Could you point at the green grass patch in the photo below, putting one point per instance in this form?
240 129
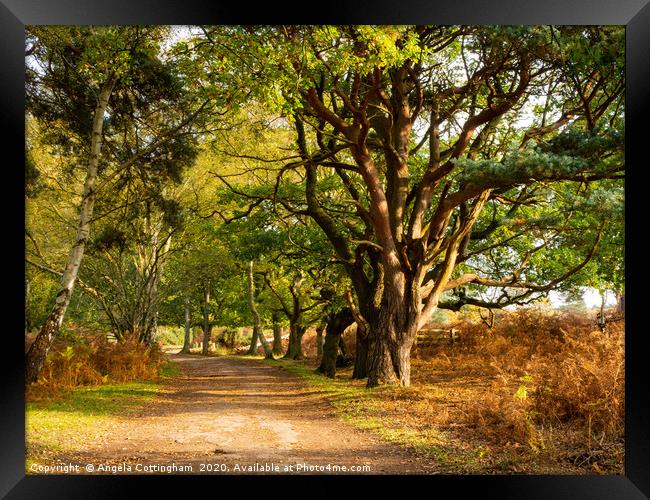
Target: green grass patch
100 400
87 412
170 370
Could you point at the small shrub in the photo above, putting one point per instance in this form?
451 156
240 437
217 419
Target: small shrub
128 360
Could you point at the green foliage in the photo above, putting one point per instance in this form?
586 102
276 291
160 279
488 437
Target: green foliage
522 390
42 291
572 154
170 335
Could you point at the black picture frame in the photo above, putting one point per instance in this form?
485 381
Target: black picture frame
15 14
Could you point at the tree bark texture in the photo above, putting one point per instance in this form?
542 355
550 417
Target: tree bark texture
336 325
361 358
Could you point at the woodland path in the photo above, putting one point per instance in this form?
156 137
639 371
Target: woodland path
227 411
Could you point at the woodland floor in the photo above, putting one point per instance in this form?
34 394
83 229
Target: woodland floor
232 413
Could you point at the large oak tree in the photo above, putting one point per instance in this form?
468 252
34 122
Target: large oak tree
432 157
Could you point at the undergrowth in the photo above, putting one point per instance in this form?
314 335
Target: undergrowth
555 384
90 360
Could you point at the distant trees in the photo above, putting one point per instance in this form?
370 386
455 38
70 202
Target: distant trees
258 331
295 308
203 281
125 263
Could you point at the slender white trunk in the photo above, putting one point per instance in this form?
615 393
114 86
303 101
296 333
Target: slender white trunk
35 357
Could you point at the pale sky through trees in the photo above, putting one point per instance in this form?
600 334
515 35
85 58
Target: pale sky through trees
590 296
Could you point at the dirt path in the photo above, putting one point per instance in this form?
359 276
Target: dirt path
228 416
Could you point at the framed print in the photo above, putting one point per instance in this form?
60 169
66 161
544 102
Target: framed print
385 243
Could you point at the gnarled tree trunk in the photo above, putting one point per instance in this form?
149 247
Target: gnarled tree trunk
361 357
300 332
268 350
252 349
389 342
35 357
296 332
336 325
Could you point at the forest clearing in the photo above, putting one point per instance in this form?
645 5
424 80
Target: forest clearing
325 249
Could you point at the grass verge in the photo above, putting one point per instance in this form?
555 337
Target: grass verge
63 425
